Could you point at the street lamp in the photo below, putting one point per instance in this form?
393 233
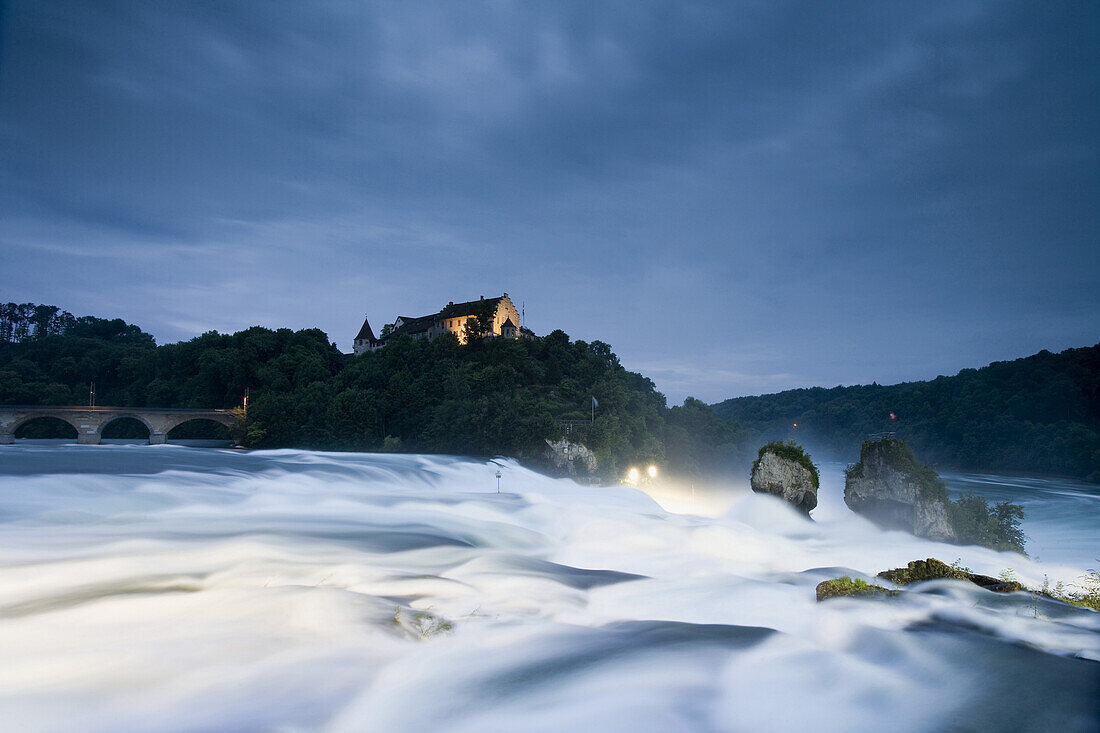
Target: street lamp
652 471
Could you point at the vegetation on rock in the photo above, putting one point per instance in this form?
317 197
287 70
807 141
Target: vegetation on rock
932 569
1085 593
1086 596
920 570
846 586
792 452
899 456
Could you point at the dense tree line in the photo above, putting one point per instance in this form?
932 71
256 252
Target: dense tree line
1039 414
491 397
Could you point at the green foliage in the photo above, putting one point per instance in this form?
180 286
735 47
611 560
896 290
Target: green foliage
976 523
212 370
28 322
845 586
1039 414
1085 592
792 452
480 323
921 570
490 397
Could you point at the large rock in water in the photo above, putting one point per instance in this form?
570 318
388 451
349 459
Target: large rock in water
892 489
785 478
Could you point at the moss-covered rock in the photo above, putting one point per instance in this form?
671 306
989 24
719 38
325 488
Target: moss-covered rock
919 570
845 586
899 456
786 471
895 491
933 569
792 452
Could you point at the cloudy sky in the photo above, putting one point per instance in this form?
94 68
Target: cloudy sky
738 197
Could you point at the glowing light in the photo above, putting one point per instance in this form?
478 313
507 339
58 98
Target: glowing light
795 425
652 471
632 476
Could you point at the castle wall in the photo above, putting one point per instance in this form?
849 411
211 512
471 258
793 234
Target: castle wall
505 309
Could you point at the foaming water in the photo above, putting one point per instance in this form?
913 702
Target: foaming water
166 588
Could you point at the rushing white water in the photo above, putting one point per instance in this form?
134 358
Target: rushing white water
175 589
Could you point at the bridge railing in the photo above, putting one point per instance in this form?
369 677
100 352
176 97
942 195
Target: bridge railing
104 408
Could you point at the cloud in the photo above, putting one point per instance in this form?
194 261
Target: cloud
880 187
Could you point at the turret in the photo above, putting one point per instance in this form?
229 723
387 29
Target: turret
364 340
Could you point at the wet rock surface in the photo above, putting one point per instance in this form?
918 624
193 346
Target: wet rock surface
893 490
787 479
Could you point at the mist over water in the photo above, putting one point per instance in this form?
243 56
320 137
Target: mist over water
165 588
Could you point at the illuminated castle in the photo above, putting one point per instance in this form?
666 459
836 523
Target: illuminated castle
484 318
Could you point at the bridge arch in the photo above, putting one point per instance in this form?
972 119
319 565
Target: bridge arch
47 416
90 421
191 428
226 420
59 415
132 415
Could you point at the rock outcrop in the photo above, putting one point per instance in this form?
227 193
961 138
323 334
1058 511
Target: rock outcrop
571 459
915 572
846 587
933 569
893 490
785 477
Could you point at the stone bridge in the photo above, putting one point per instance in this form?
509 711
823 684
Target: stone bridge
90 421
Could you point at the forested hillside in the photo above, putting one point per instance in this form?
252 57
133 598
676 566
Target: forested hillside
1039 414
492 397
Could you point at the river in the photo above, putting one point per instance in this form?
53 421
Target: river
166 588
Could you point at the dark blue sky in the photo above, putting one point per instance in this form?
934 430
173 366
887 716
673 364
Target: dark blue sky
738 197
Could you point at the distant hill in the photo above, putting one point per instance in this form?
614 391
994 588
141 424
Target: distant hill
1039 414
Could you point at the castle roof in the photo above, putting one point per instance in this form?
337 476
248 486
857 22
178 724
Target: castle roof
365 333
508 324
414 325
457 310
